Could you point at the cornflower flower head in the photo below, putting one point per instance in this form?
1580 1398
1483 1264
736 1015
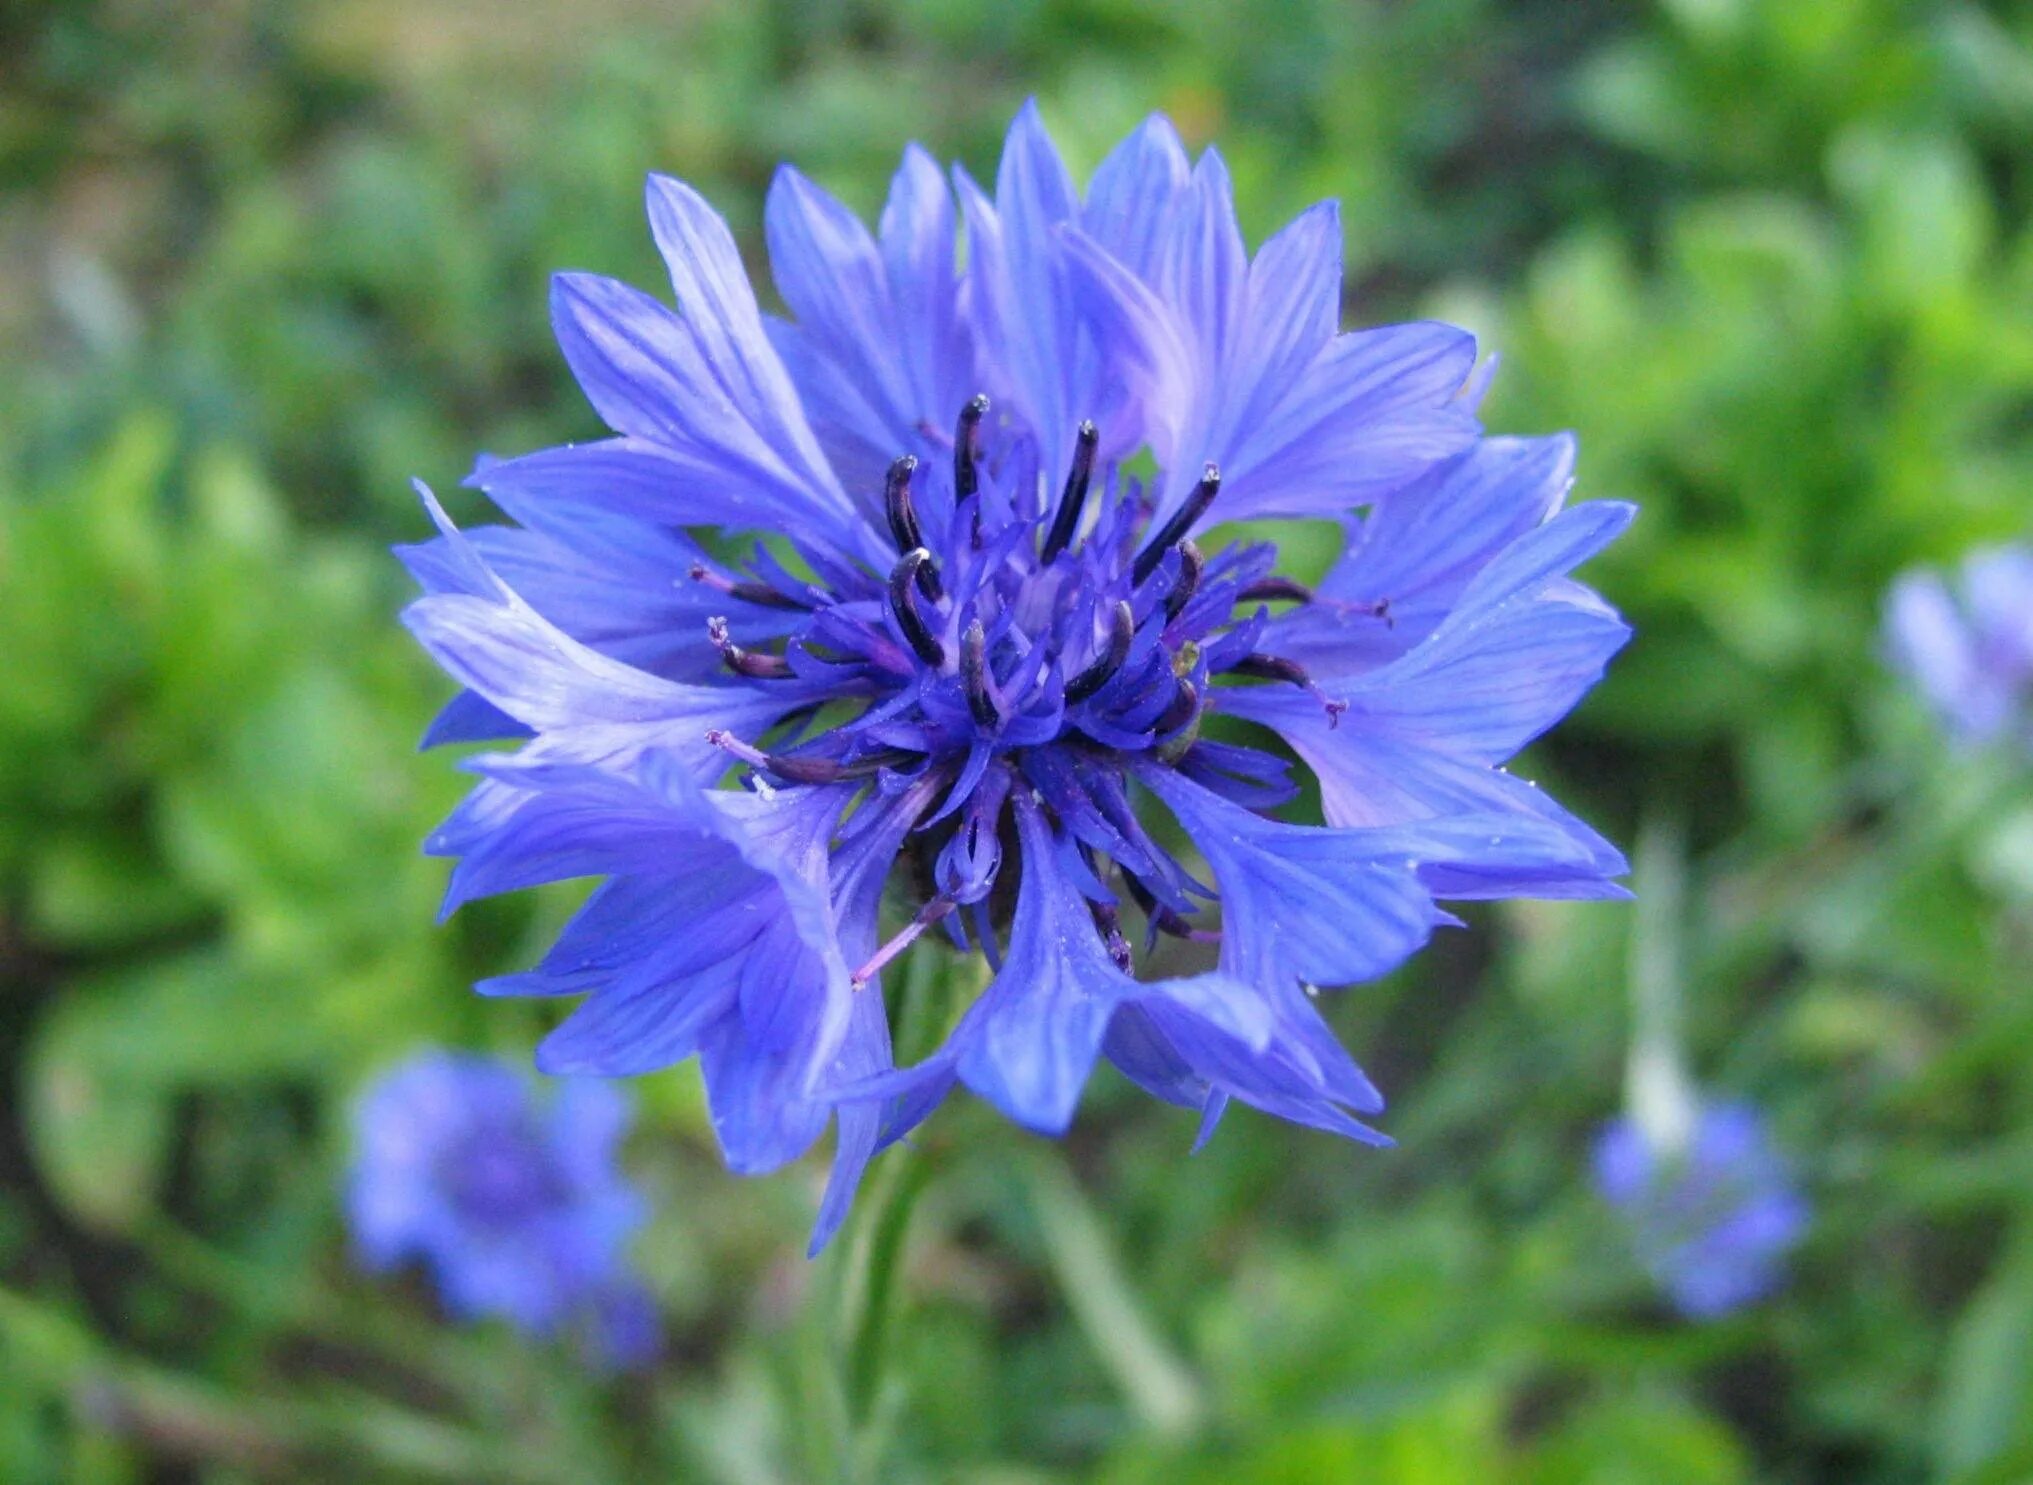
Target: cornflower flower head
983 649
516 1207
1967 646
1712 1215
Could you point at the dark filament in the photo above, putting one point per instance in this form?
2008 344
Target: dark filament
974 676
1191 564
896 503
808 770
964 450
1272 668
1110 925
1273 590
1175 530
751 663
903 600
1121 630
759 593
1074 498
1182 709
1162 918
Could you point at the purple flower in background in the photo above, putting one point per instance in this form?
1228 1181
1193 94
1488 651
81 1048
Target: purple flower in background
515 1206
1711 1222
983 654
1969 650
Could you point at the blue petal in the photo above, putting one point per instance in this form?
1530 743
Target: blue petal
832 276
470 718
1374 410
1208 265
712 289
1515 655
645 373
1411 558
1301 903
1293 309
1134 196
493 642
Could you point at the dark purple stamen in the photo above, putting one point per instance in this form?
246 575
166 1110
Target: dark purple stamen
903 601
1162 918
1184 706
965 449
751 663
1275 590
759 593
1073 499
1275 668
1175 530
903 520
896 503
1272 668
1109 922
1191 565
807 770
974 676
933 910
1121 630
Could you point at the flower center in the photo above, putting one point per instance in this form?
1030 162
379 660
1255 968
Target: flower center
1012 623
501 1178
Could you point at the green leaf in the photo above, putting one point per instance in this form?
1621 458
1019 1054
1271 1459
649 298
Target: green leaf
1985 1404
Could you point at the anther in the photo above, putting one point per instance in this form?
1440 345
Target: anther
1184 706
1275 590
1175 530
751 663
1162 918
1109 923
1275 668
1121 630
760 593
930 913
1191 565
903 520
974 676
903 600
966 446
806 770
1073 499
896 503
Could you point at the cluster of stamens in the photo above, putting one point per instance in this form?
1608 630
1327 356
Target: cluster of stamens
1010 641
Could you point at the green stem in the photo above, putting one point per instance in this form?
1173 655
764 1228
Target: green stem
874 1313
1158 1386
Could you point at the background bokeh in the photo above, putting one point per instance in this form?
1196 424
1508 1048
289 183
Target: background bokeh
265 262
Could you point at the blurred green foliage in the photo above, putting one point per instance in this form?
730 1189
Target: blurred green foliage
1771 260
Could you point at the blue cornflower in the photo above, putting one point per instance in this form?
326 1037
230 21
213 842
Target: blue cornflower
517 1209
1712 1215
1969 652
978 653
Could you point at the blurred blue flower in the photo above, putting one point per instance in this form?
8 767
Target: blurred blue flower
517 1208
1968 649
1711 1221
980 652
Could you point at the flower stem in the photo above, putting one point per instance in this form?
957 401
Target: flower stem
1160 1389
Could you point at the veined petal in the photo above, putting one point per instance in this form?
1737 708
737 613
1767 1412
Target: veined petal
720 312
1411 557
1512 658
644 371
1292 310
1374 410
1301 903
1135 196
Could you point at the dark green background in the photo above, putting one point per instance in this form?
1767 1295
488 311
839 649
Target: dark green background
264 263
